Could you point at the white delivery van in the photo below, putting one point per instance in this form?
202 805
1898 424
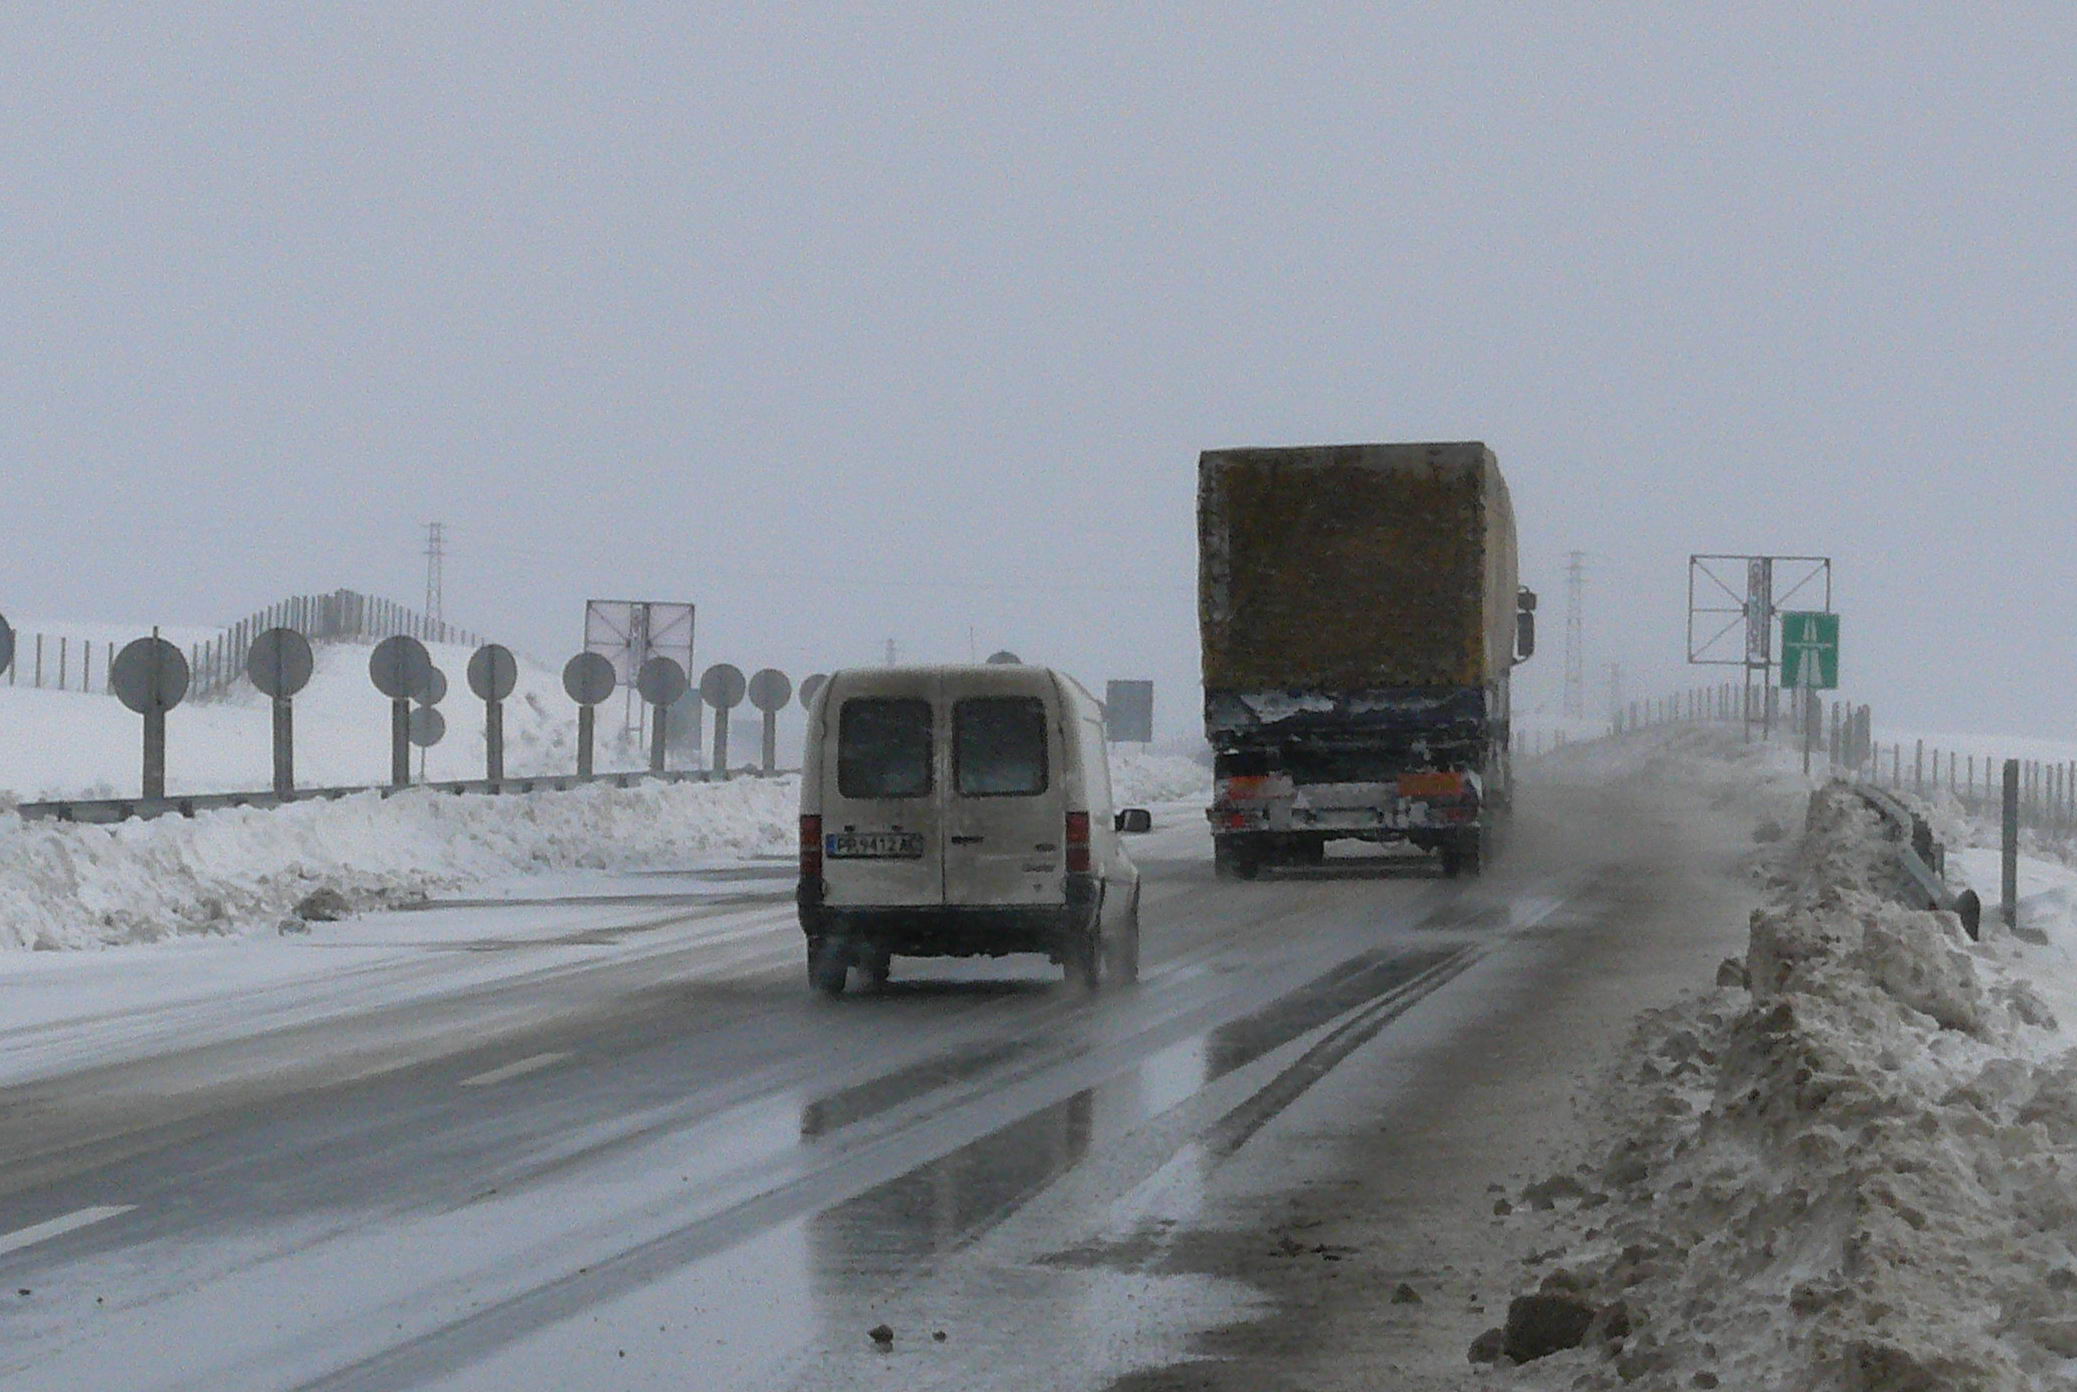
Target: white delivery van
960 812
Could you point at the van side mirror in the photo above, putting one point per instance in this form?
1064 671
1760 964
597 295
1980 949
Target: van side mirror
1134 820
1524 624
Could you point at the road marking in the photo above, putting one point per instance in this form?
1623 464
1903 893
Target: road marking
43 1232
514 1070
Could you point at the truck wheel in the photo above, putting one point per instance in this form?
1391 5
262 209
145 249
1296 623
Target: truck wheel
1310 851
1464 855
1233 858
829 965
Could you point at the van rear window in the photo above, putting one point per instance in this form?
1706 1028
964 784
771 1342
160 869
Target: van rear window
999 746
883 748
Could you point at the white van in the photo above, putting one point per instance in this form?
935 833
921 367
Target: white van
961 812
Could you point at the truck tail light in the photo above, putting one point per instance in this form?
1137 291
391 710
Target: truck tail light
1078 843
811 847
1243 787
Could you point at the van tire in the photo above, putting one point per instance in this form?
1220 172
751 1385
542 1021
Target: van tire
829 966
1122 947
1083 957
878 965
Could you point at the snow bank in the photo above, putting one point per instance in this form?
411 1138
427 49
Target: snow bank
1141 780
244 869
1852 1165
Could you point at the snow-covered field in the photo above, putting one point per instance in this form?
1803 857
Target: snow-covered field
1850 1162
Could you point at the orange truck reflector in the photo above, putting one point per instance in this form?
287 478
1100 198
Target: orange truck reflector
1432 785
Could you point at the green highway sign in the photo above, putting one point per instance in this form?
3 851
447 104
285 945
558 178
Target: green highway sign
1809 650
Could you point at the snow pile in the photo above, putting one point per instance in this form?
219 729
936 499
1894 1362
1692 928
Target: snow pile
1141 780
1853 1165
245 869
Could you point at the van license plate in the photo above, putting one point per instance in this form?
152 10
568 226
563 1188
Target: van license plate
874 845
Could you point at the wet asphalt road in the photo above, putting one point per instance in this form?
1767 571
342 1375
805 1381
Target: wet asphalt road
687 1135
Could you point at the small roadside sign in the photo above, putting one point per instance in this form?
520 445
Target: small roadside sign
1809 650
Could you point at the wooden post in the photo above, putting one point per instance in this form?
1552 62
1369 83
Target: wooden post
584 732
720 744
2010 845
659 727
771 742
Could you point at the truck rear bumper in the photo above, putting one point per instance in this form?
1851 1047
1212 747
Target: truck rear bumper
1343 815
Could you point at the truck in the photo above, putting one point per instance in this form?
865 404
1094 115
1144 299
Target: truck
1360 613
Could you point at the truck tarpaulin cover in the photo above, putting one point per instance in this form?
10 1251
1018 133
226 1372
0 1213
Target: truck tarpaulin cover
1348 568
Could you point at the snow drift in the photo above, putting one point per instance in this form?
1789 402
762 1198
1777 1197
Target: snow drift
1852 1165
241 869
244 869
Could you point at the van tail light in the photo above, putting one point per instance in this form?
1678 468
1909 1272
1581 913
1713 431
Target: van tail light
1078 843
811 847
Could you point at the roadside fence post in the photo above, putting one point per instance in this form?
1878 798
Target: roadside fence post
2010 845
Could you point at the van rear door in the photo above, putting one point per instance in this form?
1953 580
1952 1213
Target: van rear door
882 843
1003 818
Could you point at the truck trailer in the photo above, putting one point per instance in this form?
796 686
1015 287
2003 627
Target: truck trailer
1360 614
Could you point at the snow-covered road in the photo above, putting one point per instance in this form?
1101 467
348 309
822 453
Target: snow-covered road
500 1143
591 1129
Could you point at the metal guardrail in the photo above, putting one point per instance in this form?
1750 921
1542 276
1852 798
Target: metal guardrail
109 810
1923 859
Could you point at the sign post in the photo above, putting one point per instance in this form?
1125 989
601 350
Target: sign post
150 676
493 672
280 663
722 687
400 667
661 682
589 678
769 692
1809 663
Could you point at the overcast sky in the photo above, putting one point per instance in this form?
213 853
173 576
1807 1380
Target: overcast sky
854 323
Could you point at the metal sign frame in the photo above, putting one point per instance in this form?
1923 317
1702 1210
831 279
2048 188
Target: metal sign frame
1754 611
628 632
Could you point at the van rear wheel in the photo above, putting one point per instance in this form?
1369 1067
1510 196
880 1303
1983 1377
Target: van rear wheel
1121 948
877 964
829 966
1083 959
